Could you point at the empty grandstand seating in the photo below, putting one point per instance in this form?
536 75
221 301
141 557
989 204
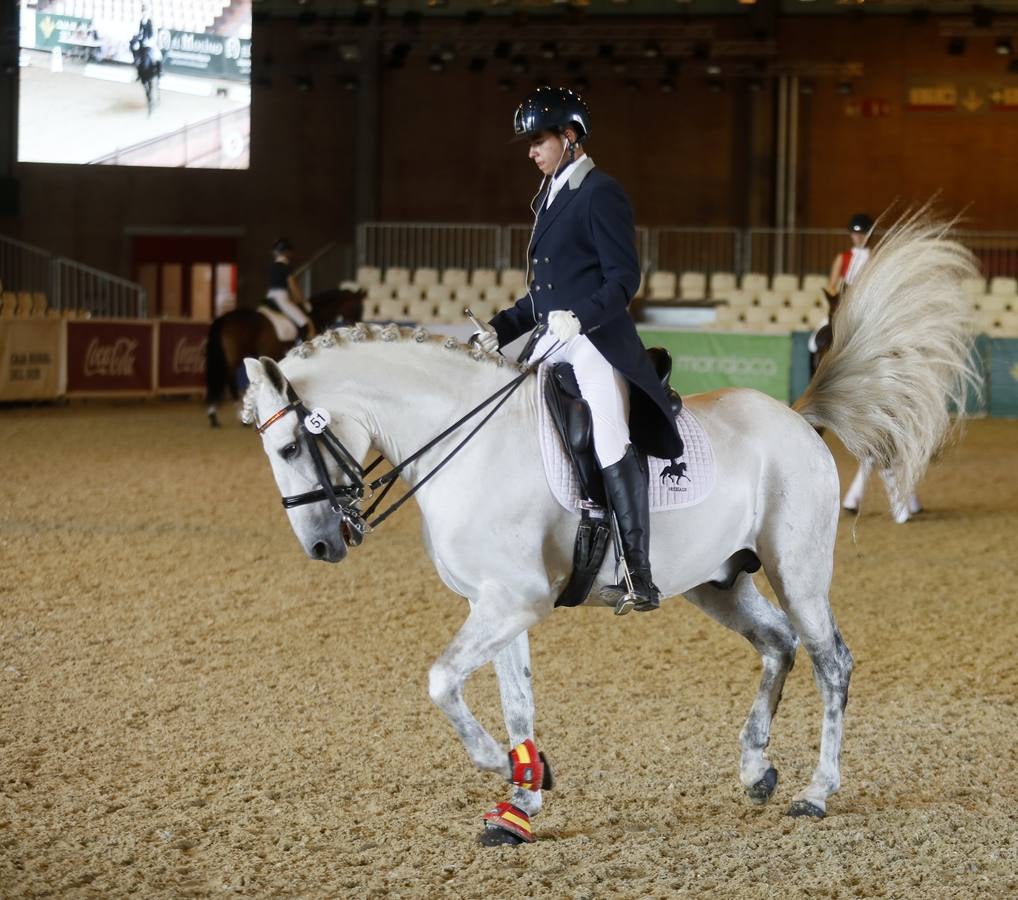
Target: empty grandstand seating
424 278
396 276
721 285
117 16
514 279
753 283
814 284
1003 287
661 286
785 284
692 286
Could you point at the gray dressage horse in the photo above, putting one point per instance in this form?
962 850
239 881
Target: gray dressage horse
901 355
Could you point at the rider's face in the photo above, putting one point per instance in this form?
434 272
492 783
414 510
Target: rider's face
547 150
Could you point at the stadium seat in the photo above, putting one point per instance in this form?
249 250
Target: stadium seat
515 280
756 317
693 286
8 304
39 304
1003 287
726 317
1009 324
791 318
391 309
769 299
449 311
993 304
974 287
814 284
454 278
785 284
368 275
425 277
805 300
468 295
396 276
753 283
721 285
437 293
499 297
661 286
483 278
25 302
739 300
409 293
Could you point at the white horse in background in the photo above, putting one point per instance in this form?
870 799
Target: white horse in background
498 537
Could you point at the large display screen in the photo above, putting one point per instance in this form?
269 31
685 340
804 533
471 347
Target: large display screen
135 82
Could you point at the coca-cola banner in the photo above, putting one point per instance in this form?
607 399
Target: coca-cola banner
181 363
30 359
110 357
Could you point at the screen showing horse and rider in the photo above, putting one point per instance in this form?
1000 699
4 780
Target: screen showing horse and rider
135 82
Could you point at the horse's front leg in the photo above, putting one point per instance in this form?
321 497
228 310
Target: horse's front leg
495 631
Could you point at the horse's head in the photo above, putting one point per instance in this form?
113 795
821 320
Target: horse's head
317 482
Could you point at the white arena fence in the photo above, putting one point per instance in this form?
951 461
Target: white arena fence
65 286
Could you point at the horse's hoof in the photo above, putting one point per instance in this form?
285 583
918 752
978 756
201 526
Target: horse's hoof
214 420
803 808
761 792
493 836
548 779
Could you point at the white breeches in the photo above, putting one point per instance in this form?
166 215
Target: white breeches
901 507
281 297
604 389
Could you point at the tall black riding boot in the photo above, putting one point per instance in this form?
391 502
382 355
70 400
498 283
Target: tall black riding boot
626 485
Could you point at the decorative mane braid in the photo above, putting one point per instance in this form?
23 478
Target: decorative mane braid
361 332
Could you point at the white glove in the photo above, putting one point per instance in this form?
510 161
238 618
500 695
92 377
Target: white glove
486 340
563 325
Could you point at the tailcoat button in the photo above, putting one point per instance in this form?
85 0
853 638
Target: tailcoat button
546 259
537 287
548 286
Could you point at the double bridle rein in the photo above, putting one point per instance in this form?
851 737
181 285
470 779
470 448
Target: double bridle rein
344 499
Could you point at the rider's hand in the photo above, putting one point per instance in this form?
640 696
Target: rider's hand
486 340
563 325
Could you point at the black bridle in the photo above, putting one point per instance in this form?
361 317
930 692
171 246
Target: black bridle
344 499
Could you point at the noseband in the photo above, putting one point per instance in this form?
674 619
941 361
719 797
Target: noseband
343 498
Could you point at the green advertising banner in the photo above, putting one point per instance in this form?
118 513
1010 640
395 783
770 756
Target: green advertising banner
51 31
1004 377
707 360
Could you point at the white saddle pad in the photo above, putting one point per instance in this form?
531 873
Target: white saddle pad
286 331
686 484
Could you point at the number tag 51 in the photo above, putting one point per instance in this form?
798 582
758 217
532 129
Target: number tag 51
317 420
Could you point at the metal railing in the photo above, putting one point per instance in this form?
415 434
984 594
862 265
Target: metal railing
220 142
770 251
68 285
706 250
419 245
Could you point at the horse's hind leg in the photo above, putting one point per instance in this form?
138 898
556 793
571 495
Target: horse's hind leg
802 590
743 609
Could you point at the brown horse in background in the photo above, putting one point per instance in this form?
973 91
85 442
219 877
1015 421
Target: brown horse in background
246 332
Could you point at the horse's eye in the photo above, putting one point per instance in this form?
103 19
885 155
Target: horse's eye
290 451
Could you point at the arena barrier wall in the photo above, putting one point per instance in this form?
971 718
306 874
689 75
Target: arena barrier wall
1003 380
43 359
32 355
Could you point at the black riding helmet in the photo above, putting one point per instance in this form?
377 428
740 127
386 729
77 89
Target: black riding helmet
282 246
552 109
860 223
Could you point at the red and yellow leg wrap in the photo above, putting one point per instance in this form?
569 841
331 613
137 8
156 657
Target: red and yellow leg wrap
526 766
512 819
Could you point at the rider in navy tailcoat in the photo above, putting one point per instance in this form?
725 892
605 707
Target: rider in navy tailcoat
583 271
583 259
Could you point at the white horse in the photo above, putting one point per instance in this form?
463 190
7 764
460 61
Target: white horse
498 538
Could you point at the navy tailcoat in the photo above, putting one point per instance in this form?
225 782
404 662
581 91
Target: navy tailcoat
583 258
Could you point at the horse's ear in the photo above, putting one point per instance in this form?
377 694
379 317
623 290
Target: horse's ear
254 369
277 379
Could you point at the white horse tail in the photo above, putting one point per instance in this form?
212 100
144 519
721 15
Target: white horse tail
901 353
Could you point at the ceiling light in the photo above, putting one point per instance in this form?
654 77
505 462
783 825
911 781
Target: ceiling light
1002 46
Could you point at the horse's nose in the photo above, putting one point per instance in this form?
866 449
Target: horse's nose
319 550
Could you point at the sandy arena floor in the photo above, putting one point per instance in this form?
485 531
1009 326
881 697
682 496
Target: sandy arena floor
191 708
